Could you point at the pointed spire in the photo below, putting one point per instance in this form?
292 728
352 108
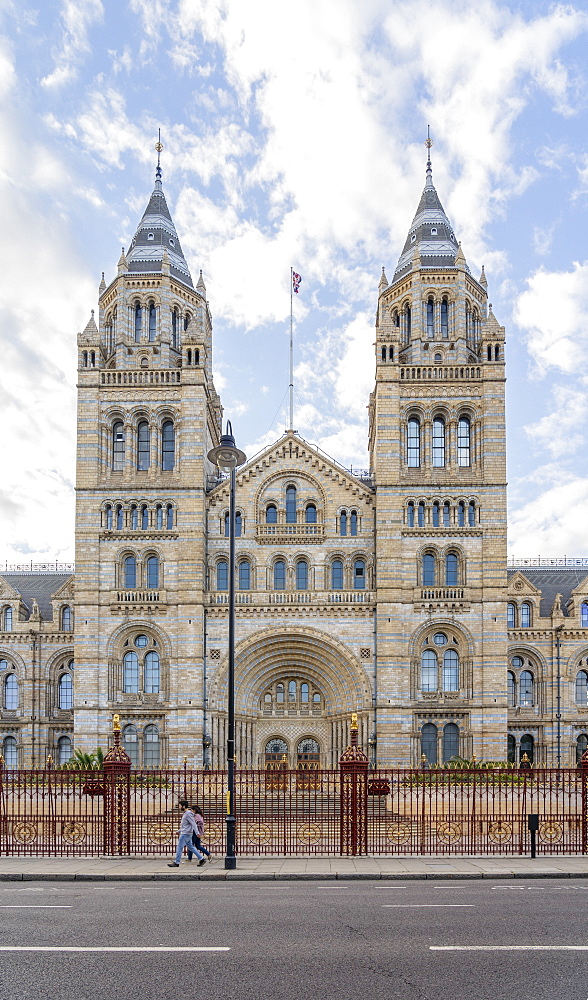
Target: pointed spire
429 172
383 281
201 287
460 260
122 262
102 285
482 280
90 328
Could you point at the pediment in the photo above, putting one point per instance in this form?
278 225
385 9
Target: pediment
7 592
582 589
520 586
66 592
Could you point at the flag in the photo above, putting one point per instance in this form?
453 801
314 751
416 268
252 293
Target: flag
296 279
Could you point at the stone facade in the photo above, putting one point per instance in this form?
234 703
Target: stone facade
384 594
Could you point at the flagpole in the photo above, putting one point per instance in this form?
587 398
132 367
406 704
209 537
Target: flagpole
291 353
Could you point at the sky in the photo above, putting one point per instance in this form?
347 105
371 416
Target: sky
294 136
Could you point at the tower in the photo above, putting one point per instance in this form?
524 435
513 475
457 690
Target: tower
437 448
148 413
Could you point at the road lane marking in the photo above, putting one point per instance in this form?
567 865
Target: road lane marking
36 906
509 947
23 947
413 906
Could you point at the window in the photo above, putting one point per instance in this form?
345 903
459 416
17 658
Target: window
428 670
271 514
446 515
131 744
108 517
301 575
130 672
291 505
461 514
511 615
167 446
118 446
581 746
66 619
143 446
526 689
151 745
343 523
151 672
222 575
244 575
169 517
64 750
337 574
144 517
450 679
444 319
430 319
279 575
435 515
353 523
471 514
421 515
238 524
584 614
428 570
310 514
410 514
525 615
130 572
152 322
450 741
359 574
451 570
280 694
463 442
120 518
511 687
429 742
10 752
582 688
292 691
65 692
527 747
304 694
134 517
153 572
7 622
174 328
438 442
413 453
511 750
10 691
138 322
159 517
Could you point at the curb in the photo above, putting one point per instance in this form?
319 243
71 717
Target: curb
232 876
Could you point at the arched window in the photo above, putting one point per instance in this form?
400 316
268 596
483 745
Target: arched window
167 446
343 523
310 513
143 446
461 514
279 575
497 353
511 750
152 321
108 517
430 319
463 441
174 328
304 694
525 615
438 442
292 691
471 514
271 514
222 575
238 524
421 514
280 695
429 742
428 670
353 523
66 619
134 517
10 692
131 744
276 746
118 446
413 443
130 572
244 575
450 741
144 517
407 322
581 746
383 354
526 689
301 575
291 505
451 570
120 517
65 692
527 746
359 574
584 614
169 517
7 620
511 686
138 322
151 747
435 515
153 572
130 672
410 514
582 688
151 672
444 319
446 515
10 752
337 574
428 567
64 750
450 679
511 615
158 517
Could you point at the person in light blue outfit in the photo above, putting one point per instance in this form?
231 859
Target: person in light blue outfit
187 828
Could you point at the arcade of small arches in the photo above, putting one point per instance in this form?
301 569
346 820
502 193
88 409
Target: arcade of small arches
138 516
142 442
441 513
441 441
144 323
296 572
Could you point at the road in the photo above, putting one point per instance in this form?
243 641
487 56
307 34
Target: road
359 940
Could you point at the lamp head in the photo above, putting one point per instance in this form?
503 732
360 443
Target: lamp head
227 456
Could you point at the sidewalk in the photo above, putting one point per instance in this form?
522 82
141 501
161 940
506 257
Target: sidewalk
292 868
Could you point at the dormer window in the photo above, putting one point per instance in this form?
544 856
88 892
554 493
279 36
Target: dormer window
172 243
433 232
150 236
412 239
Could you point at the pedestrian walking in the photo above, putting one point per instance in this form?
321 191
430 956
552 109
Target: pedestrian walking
196 837
187 828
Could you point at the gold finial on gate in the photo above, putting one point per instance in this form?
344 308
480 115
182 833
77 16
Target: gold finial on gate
1 760
185 761
49 762
423 759
116 723
354 720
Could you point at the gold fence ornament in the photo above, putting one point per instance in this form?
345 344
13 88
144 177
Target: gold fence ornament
354 720
116 723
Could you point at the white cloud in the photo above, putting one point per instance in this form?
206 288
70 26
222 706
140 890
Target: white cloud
563 431
77 17
549 525
553 312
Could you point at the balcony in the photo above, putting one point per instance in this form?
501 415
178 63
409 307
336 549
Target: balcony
142 376
282 534
294 598
138 596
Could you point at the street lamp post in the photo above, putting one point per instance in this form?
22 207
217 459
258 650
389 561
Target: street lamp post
228 458
558 632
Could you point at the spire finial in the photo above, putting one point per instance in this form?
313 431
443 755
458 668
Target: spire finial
159 148
428 144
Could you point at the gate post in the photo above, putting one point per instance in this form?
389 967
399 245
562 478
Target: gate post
353 771
117 796
584 774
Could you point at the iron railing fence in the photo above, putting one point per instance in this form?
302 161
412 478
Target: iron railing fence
394 811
